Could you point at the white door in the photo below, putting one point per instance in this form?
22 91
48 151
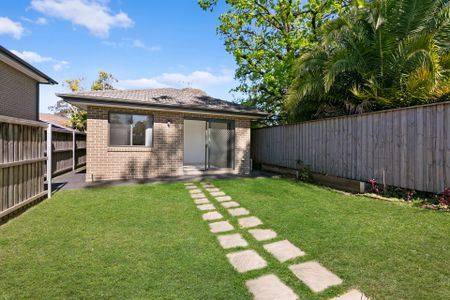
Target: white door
194 143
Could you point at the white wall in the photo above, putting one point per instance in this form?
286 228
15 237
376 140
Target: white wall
194 142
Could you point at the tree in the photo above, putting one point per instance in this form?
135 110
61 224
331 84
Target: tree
265 38
385 54
104 81
77 117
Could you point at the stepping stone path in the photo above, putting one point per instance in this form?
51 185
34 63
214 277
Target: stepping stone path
195 191
315 276
230 204
240 211
201 201
249 222
283 250
223 198
210 216
263 234
222 226
247 260
206 207
217 194
232 241
352 295
270 287
198 196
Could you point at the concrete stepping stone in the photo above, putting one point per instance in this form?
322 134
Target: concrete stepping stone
230 204
222 226
263 234
195 191
207 184
240 211
201 201
270 287
283 250
213 215
198 196
218 194
315 276
212 190
191 187
188 183
223 198
247 260
352 295
206 207
249 222
232 241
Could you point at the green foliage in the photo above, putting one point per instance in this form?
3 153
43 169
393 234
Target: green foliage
384 54
266 37
78 120
104 81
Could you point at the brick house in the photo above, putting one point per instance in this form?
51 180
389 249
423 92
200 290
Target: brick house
19 86
138 134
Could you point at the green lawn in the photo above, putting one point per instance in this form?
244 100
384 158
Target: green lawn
148 241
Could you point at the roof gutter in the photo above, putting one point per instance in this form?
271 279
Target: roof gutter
102 102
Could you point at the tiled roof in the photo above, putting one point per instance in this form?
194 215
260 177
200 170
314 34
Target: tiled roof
187 98
54 119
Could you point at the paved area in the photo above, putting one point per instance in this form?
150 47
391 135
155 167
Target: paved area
263 234
210 216
284 250
269 286
206 207
222 226
247 260
232 241
315 276
352 295
240 211
249 222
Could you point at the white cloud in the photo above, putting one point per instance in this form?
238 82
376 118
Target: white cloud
60 65
95 15
38 21
131 43
8 26
31 57
41 21
35 58
198 79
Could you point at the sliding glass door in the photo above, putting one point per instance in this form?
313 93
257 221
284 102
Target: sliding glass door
220 142
208 144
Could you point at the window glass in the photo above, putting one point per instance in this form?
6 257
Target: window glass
130 130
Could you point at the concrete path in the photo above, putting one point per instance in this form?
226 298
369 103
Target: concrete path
267 287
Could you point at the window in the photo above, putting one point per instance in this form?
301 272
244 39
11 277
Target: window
130 130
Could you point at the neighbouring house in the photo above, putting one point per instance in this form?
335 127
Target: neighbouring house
55 120
136 134
19 86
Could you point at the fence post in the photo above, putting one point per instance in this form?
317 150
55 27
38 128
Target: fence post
49 160
74 162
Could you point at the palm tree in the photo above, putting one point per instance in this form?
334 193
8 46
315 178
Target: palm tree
385 54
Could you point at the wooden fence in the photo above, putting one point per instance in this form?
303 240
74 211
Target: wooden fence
22 159
408 148
68 150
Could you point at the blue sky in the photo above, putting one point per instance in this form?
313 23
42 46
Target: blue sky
144 44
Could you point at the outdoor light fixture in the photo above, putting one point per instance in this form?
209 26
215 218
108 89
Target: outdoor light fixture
168 122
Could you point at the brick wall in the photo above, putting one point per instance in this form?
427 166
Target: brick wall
17 94
165 158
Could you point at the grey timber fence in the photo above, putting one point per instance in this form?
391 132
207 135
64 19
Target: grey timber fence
407 148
